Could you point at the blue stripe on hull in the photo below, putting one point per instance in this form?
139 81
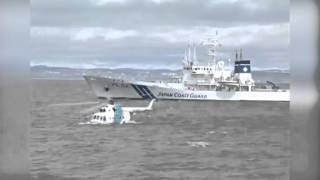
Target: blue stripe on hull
146 89
143 91
140 92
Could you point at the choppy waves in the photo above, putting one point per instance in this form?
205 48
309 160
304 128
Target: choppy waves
177 140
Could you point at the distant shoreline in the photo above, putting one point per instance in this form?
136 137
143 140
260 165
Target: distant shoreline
273 69
57 79
62 73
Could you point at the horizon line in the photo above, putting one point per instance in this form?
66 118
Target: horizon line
134 68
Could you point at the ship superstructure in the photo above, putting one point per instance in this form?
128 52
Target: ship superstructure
215 75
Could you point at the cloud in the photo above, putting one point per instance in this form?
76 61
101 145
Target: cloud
81 34
123 2
103 2
265 44
155 32
268 35
232 37
108 34
48 31
135 14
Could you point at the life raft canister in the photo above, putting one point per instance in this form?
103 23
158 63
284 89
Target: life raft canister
118 114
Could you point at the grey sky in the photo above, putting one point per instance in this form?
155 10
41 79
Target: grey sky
154 33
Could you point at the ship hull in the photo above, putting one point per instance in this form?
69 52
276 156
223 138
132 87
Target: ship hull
113 89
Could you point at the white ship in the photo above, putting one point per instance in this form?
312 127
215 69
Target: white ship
210 81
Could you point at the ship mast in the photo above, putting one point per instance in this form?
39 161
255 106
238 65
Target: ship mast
237 57
186 56
212 44
189 52
195 53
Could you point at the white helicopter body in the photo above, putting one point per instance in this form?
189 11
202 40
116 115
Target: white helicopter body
115 114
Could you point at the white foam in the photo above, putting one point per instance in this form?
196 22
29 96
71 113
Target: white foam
105 123
198 144
94 123
224 132
73 104
132 122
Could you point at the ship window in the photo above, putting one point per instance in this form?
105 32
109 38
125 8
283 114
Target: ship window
104 118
